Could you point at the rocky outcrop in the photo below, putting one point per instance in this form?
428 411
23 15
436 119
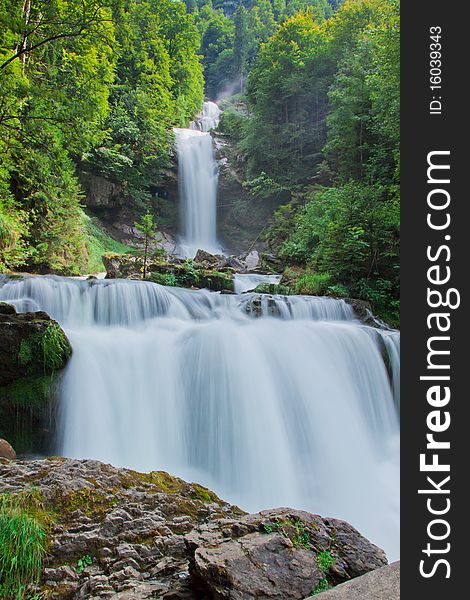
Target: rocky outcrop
281 554
100 192
363 312
380 584
117 533
128 528
242 217
206 274
33 350
30 344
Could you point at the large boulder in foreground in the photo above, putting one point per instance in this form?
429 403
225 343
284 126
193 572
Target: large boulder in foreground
117 533
279 554
381 584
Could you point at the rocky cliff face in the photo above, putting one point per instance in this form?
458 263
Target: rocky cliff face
116 533
241 217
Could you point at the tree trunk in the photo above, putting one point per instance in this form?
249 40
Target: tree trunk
25 13
145 256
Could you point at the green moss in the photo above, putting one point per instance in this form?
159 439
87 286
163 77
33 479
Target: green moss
273 288
321 587
160 480
26 352
216 281
89 502
55 348
163 278
205 495
47 350
187 275
25 407
29 392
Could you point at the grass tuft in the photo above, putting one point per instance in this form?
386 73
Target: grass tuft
23 543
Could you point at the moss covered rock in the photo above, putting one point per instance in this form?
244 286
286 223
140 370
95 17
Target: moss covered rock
33 350
31 344
177 272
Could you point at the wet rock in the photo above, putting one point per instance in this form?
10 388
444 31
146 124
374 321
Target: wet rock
33 350
252 260
6 450
363 312
25 339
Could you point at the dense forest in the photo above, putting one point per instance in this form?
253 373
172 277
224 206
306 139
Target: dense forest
310 95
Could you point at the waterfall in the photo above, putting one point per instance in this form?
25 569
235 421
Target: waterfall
209 117
248 281
198 176
268 400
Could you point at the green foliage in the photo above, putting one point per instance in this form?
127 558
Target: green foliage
272 288
324 126
293 529
48 348
13 230
169 279
147 225
321 587
91 83
98 243
325 560
233 31
312 283
83 562
23 543
339 290
148 228
351 233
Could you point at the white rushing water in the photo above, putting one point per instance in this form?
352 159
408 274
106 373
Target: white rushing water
270 401
197 183
209 117
244 282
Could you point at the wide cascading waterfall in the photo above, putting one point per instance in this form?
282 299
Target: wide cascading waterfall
198 176
268 400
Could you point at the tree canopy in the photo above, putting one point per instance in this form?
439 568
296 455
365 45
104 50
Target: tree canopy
91 83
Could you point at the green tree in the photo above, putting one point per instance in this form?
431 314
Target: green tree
148 228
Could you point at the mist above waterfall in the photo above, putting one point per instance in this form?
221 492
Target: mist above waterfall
267 400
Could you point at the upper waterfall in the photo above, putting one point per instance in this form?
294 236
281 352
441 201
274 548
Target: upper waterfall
208 119
197 182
